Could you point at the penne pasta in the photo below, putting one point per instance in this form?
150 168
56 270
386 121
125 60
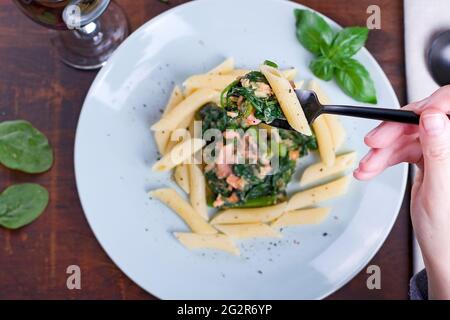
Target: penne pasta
287 98
208 81
181 177
299 84
186 108
177 136
301 217
324 141
198 190
239 72
225 67
319 171
335 126
318 194
250 215
248 230
290 73
207 241
162 137
180 153
184 210
248 103
332 121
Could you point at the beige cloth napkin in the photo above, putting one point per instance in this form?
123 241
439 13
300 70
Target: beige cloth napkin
423 19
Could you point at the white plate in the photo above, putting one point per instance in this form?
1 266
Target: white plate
115 149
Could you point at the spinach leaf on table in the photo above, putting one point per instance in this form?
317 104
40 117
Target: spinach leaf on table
21 204
24 148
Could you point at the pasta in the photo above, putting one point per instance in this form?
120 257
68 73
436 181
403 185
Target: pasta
290 74
299 84
198 190
178 135
186 108
320 171
208 81
251 215
287 98
207 241
180 153
173 200
162 137
181 177
250 196
334 125
301 217
318 194
225 67
248 230
324 141
238 72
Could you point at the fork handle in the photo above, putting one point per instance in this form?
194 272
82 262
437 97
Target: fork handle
394 115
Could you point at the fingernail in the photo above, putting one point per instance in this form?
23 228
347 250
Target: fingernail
372 133
366 157
433 123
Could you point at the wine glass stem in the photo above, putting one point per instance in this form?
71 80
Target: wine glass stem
91 31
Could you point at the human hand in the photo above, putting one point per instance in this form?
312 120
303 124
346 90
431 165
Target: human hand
427 146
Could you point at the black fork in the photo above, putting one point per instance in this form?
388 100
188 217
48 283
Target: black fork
313 108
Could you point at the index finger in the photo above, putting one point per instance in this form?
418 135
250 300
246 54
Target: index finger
387 133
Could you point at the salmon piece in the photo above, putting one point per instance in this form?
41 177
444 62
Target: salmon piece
233 198
218 202
252 120
263 90
223 170
236 182
240 100
294 154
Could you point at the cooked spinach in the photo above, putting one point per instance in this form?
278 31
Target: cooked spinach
298 141
24 148
271 64
266 109
259 190
21 204
213 117
216 185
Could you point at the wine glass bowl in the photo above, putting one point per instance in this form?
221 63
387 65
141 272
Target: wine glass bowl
89 31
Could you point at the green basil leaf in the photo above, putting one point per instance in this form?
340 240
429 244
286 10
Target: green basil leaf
270 64
353 78
24 148
21 204
323 68
313 31
348 42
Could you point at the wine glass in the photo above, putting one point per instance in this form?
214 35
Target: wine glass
89 30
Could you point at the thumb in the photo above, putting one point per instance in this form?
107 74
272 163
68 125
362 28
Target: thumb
434 134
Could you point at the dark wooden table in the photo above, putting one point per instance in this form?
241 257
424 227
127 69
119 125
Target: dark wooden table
35 86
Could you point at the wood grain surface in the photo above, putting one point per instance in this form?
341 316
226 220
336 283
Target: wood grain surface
35 86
